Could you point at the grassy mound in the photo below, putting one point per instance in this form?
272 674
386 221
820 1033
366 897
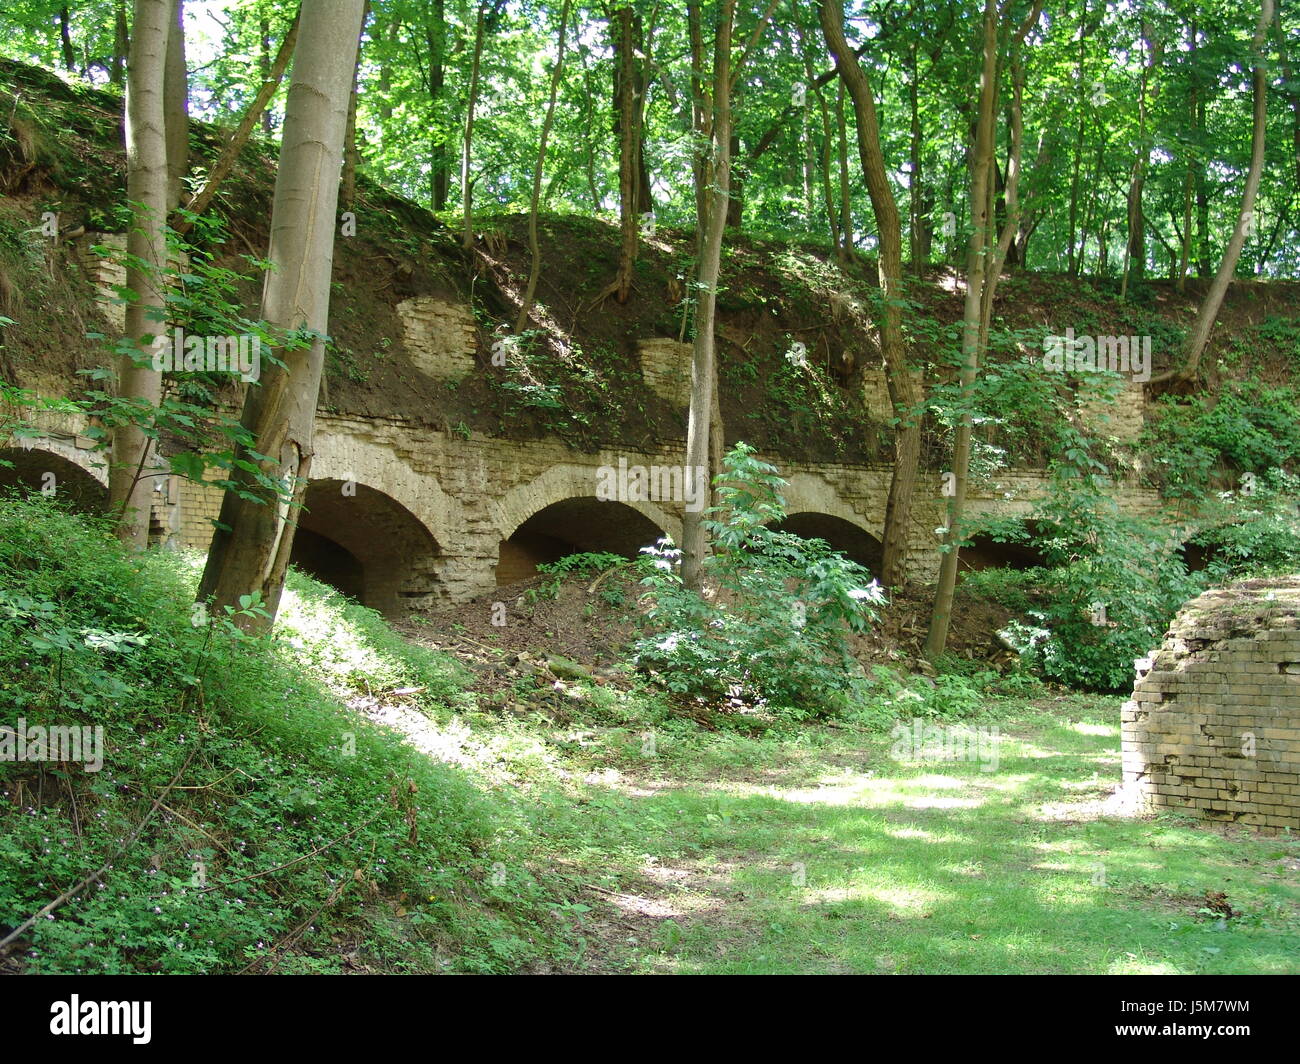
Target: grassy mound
244 816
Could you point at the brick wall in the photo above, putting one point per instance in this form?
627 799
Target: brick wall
1213 727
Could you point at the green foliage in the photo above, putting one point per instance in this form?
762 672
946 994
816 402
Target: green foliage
1260 530
288 810
1248 427
774 631
580 564
1110 588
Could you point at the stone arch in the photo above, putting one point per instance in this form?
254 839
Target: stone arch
808 493
850 539
368 545
558 513
815 510
70 474
346 453
983 552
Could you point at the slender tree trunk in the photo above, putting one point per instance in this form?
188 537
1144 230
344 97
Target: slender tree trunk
1202 178
1194 346
251 546
713 225
1135 249
146 183
904 390
176 103
915 185
530 293
351 154
846 211
1073 262
230 154
1180 274
121 43
436 39
628 151
976 268
467 152
65 38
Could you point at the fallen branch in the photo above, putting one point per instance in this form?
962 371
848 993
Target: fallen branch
62 898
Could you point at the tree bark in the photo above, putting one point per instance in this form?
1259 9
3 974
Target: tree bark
718 118
121 44
230 154
65 38
976 267
466 155
904 390
628 151
251 546
176 102
1194 346
351 153
146 147
534 245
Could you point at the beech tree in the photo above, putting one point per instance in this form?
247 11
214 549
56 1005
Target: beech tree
252 543
147 187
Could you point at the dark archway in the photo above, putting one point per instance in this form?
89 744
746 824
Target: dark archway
983 552
367 545
570 527
853 542
36 470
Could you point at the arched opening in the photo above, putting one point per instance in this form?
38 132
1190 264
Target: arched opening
853 542
367 545
983 552
51 474
573 526
1206 547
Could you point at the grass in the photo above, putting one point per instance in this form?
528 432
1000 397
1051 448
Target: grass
821 854
443 837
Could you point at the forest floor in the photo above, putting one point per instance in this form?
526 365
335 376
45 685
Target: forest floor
823 854
833 848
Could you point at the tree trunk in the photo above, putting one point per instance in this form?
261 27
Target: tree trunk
530 293
846 212
176 102
628 151
436 36
121 44
702 368
1194 346
65 38
230 154
1135 249
976 267
251 546
904 391
130 496
466 155
351 154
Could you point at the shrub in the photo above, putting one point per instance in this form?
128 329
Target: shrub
774 630
1109 591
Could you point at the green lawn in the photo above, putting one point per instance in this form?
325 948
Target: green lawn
728 854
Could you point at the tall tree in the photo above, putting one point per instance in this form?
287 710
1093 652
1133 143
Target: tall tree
252 543
534 245
147 192
984 257
1194 346
904 389
714 178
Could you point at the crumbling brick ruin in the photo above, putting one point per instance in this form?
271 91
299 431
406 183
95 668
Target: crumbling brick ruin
1213 727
